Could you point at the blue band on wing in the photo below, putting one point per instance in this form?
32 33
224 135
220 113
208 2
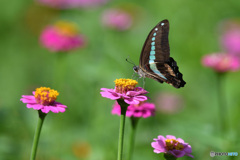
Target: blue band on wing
151 61
153 48
152 57
152 53
155 70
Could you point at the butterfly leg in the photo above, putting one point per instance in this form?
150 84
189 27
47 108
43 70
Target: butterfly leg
133 75
143 82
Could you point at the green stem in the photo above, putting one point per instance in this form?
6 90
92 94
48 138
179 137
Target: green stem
37 134
121 128
223 116
60 70
169 157
134 122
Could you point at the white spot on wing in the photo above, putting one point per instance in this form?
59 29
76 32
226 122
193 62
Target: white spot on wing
156 29
162 24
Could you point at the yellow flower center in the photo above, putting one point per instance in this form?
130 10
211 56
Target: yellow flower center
173 144
45 95
123 85
66 28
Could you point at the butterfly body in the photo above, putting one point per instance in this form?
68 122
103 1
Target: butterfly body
155 61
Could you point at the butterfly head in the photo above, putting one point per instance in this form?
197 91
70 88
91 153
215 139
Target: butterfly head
135 68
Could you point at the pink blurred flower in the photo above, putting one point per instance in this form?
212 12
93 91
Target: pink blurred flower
117 19
62 36
125 89
44 99
231 41
64 4
142 109
169 103
221 62
171 145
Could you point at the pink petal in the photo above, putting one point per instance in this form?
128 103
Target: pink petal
57 104
140 98
162 138
53 109
45 109
131 101
37 106
180 140
137 114
188 149
110 95
61 109
177 153
189 155
34 106
170 137
28 99
147 114
157 148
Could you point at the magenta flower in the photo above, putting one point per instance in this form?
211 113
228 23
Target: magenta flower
221 62
171 145
143 109
65 4
117 19
62 36
44 99
125 89
169 103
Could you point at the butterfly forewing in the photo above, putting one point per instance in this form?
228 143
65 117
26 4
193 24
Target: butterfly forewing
156 44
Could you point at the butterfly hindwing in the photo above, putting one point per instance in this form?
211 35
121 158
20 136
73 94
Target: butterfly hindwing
155 62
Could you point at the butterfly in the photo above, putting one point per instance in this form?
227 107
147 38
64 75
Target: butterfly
155 61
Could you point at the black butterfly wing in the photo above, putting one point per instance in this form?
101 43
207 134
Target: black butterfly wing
155 61
158 38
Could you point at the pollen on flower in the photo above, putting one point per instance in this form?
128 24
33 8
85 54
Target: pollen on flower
66 28
124 85
173 144
45 95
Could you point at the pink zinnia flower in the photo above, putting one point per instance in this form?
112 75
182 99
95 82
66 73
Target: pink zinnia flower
231 41
44 99
65 4
221 62
169 103
62 36
117 19
143 109
171 145
125 89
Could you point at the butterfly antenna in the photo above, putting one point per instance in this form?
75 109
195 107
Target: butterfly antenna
130 61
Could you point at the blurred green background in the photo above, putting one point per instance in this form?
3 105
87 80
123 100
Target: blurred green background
88 130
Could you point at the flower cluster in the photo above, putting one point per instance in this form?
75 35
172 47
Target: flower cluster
64 4
62 36
143 109
171 145
230 38
169 103
117 19
230 41
221 62
125 89
44 99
